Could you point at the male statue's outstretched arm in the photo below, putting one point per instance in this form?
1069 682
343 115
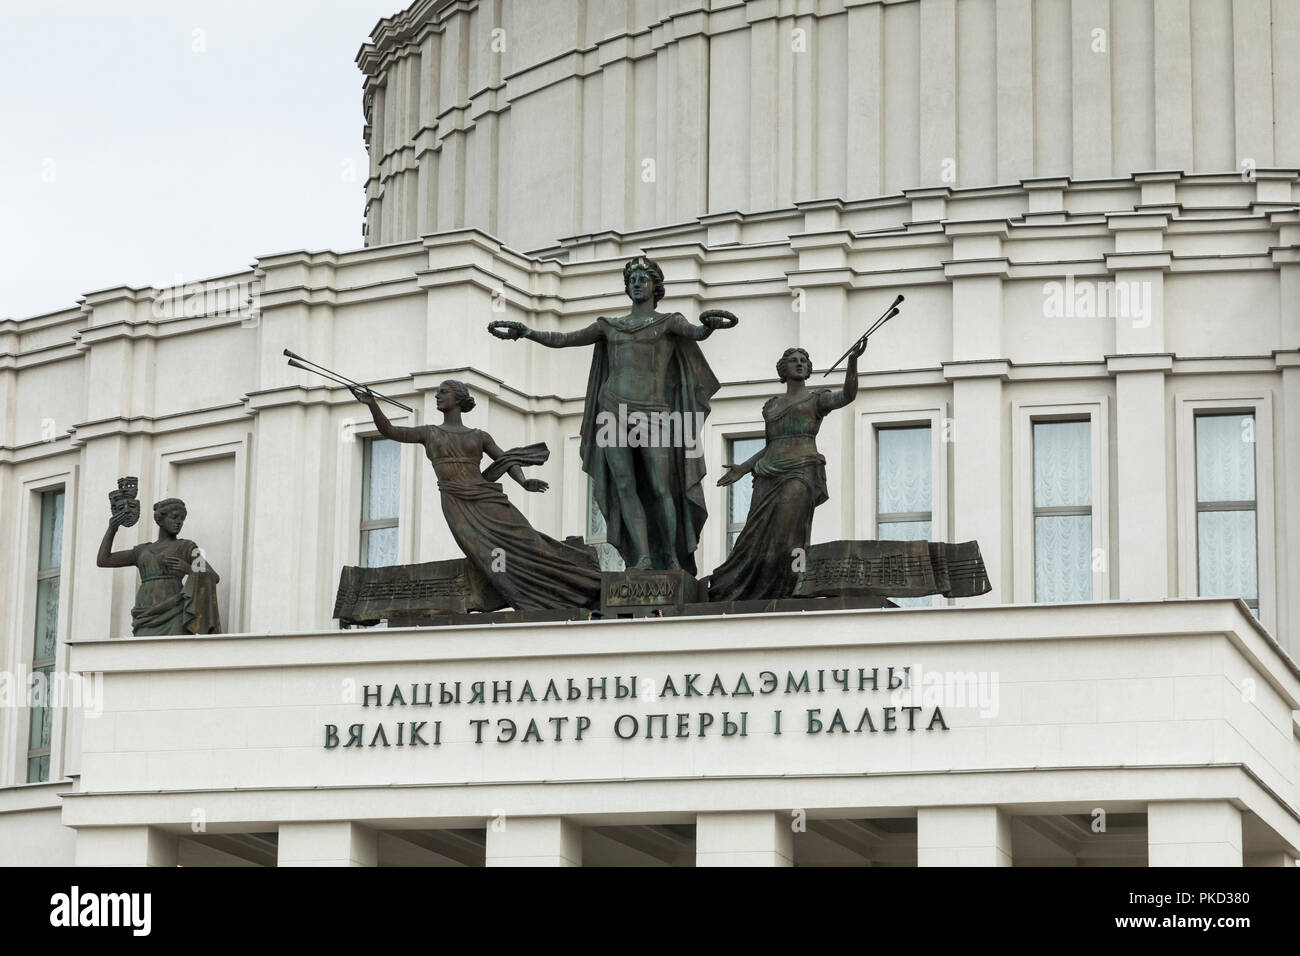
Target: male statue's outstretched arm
552 340
710 322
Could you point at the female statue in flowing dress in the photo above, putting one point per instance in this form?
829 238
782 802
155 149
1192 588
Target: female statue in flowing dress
178 589
527 568
789 483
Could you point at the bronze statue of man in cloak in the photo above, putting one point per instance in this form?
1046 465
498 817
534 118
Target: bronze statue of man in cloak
647 398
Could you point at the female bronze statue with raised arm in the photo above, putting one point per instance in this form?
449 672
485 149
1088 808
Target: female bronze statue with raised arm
789 483
527 568
163 604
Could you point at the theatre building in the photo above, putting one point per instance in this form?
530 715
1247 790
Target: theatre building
1091 209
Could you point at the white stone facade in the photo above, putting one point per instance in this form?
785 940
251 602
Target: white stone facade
551 118
1174 714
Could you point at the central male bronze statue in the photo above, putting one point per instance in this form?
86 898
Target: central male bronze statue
647 372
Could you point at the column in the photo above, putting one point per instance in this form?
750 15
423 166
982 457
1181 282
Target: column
688 157
980 505
757 838
453 93
1142 485
336 843
1193 833
1091 75
1015 112
533 841
1252 81
619 168
981 441
1173 83
963 836
426 140
764 96
864 91
938 79
1144 500
125 846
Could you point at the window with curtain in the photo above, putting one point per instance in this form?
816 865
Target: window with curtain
46 640
904 490
607 554
740 493
380 489
1063 511
1227 555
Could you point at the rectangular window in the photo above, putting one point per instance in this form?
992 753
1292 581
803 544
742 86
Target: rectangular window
380 489
739 494
904 490
610 559
1227 554
1063 511
46 636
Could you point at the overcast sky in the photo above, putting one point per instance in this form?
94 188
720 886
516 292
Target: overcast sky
150 141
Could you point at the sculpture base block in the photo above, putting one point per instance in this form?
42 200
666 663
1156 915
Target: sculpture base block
695 609
409 594
893 569
647 593
774 605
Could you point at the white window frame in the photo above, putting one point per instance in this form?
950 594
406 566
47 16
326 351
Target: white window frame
731 490
1259 403
365 524
1024 414
717 438
900 517
53 661
15 722
348 479
865 494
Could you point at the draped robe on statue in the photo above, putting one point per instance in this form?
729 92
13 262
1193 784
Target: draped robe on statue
689 388
528 569
789 484
165 605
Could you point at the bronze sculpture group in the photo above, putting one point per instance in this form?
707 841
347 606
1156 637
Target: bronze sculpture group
648 396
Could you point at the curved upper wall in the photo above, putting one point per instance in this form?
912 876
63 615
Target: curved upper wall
541 119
